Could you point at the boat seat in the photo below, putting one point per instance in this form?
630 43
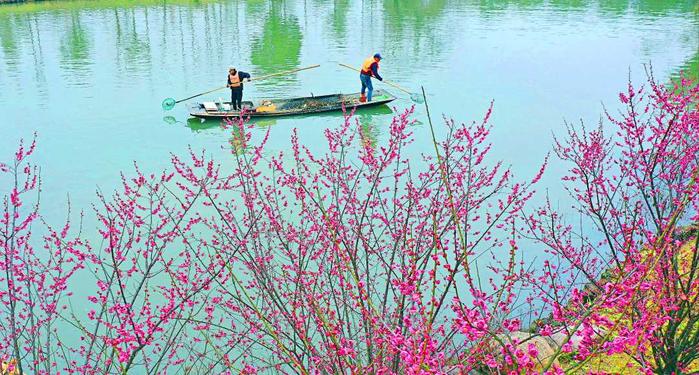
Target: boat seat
210 106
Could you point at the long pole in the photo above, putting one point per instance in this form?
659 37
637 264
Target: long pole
284 72
252 79
203 93
384 81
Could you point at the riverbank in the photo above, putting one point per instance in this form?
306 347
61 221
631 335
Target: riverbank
618 363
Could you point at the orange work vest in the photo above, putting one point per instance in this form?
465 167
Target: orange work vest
235 80
366 67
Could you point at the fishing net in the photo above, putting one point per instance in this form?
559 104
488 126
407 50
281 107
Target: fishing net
169 104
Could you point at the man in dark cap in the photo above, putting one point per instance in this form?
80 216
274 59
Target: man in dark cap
370 68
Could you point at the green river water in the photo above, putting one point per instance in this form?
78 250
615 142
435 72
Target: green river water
89 76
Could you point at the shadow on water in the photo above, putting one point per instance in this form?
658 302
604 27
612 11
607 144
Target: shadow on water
369 130
413 22
62 5
612 8
335 14
278 47
133 40
365 116
8 40
418 15
170 120
197 125
660 7
338 21
690 68
411 10
75 51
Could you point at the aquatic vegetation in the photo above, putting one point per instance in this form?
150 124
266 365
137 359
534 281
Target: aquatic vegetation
363 260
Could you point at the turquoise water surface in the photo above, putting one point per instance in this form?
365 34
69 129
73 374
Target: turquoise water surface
88 76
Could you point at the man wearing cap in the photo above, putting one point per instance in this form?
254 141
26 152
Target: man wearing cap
235 82
370 68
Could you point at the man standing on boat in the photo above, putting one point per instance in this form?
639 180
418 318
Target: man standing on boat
235 82
370 68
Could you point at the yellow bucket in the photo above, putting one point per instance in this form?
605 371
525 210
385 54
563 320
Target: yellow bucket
266 106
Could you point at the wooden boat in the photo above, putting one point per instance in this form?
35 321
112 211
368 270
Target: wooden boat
288 107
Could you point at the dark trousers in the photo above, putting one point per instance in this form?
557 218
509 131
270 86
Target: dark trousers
236 99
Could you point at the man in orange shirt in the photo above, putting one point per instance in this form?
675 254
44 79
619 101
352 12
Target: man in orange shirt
370 68
235 82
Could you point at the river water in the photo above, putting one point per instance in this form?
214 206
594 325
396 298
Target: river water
88 76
